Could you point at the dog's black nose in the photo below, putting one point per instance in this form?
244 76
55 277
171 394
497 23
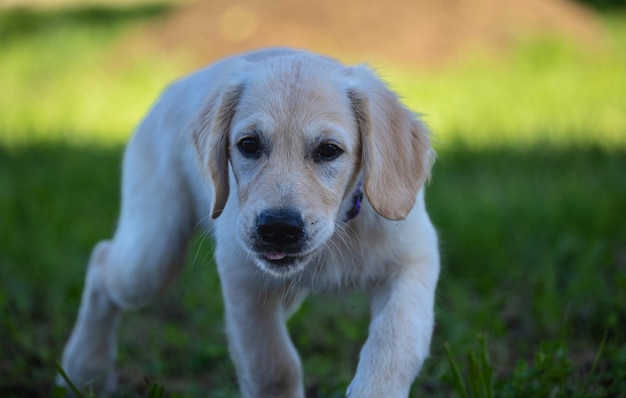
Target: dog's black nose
280 227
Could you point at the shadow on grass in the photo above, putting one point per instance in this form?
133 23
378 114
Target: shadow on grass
532 247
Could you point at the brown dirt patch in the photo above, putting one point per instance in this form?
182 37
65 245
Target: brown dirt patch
409 32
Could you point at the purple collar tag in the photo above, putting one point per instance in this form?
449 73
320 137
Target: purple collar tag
357 198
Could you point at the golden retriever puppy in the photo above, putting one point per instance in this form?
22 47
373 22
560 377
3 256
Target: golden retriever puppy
310 175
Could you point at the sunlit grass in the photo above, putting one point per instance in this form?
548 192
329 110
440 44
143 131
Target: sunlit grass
67 82
547 91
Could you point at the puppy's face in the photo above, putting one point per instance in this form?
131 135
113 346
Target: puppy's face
294 149
299 132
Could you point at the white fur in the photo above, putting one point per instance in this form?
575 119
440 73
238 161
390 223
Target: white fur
171 184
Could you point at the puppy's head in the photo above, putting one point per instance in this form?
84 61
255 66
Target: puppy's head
300 133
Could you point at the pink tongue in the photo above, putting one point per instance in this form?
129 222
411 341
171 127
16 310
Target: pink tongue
275 256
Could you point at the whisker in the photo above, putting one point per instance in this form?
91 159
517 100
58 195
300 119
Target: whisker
318 265
200 223
347 236
291 294
203 238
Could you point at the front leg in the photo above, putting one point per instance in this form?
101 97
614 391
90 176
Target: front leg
399 332
267 363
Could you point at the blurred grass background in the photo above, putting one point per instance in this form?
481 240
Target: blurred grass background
528 195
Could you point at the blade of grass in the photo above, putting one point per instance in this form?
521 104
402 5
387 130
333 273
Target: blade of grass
156 391
486 366
600 351
65 377
474 377
459 383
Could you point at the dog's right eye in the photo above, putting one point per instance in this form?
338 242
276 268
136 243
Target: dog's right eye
249 147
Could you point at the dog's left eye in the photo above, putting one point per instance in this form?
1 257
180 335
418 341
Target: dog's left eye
327 152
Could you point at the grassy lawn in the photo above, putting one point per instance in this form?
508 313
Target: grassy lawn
528 195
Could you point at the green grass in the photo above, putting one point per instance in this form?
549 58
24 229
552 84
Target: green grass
64 77
528 196
547 91
533 255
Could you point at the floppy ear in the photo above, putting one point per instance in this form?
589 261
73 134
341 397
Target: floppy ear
211 139
396 154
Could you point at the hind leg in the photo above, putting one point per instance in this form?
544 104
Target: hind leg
144 257
90 352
